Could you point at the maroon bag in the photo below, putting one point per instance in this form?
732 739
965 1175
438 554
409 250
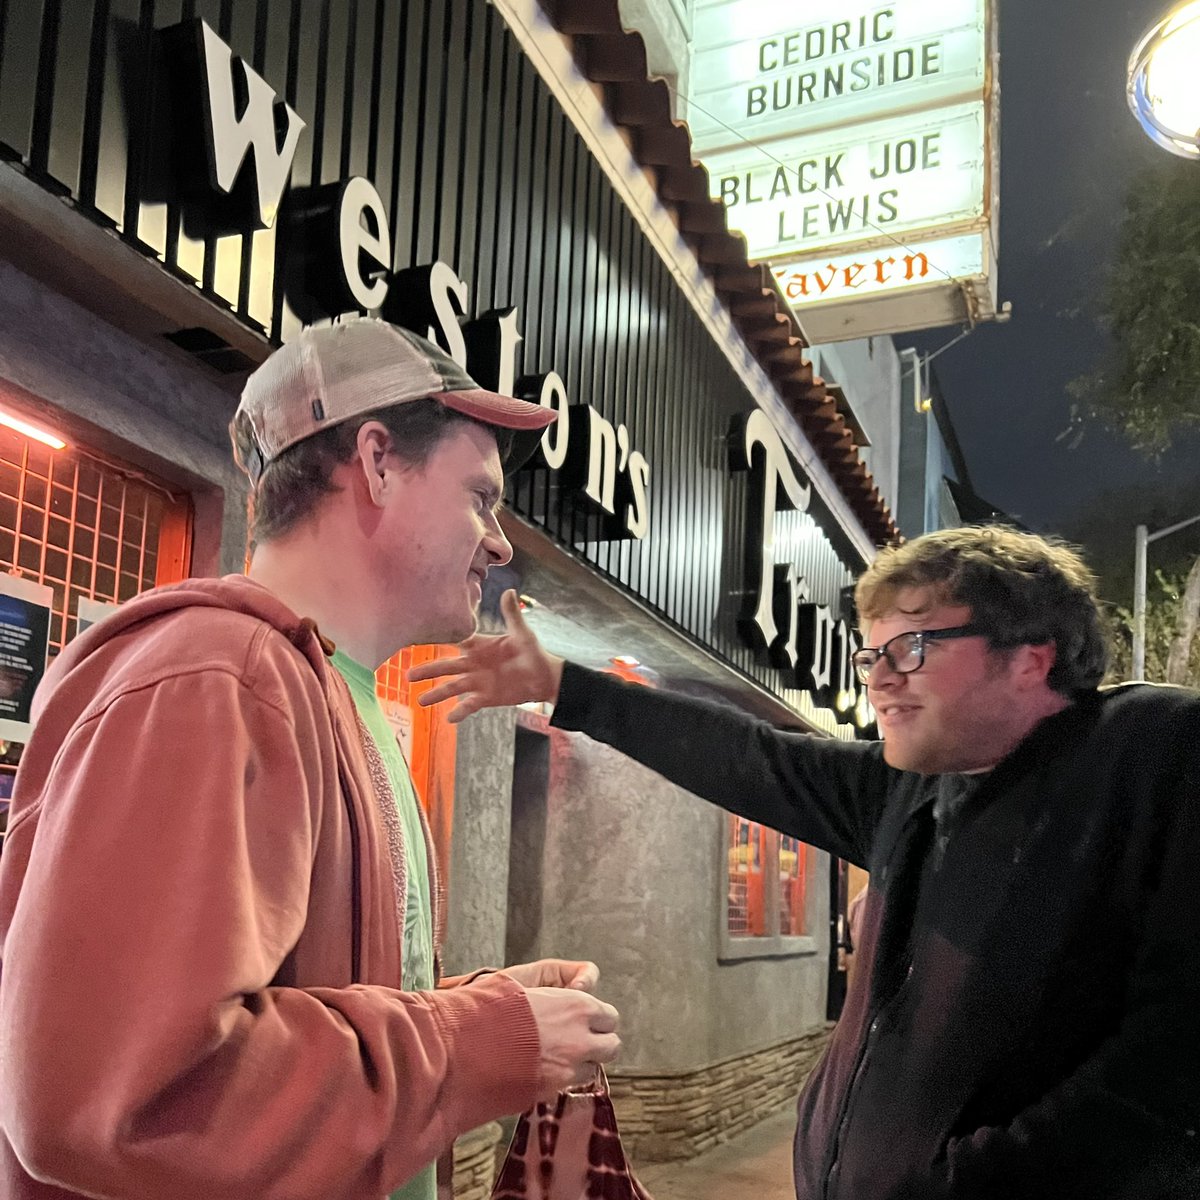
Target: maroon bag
569 1150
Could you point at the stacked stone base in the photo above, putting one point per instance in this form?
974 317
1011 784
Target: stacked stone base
668 1117
475 1156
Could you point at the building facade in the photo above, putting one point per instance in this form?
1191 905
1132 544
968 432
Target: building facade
186 182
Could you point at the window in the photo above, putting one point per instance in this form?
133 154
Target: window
767 908
746 915
793 861
429 741
87 528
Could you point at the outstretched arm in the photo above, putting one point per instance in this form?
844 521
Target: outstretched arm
826 791
493 670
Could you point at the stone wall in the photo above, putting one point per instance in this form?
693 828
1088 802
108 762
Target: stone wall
475 1162
615 864
479 848
675 1116
667 1117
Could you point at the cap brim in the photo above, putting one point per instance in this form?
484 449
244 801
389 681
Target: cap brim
523 446
524 420
492 408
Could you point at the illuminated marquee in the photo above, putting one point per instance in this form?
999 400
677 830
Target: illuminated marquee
821 191
759 76
863 132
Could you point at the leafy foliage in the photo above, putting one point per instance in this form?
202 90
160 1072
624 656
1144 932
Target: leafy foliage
1150 388
1163 601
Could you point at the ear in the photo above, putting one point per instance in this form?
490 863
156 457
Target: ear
1032 664
371 448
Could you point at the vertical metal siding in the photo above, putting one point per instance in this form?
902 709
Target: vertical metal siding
437 105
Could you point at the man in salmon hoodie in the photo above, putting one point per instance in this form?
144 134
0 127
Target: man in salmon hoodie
218 904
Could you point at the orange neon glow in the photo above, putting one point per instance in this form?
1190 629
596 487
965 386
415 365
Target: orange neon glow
32 431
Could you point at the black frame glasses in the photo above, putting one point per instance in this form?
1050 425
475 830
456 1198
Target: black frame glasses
865 659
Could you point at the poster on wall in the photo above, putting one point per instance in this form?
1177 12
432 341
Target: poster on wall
24 640
88 612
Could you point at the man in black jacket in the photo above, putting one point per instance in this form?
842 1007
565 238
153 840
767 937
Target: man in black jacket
1025 1022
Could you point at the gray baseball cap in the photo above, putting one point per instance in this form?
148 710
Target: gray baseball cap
329 374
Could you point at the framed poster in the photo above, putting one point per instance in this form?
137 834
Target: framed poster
88 612
24 639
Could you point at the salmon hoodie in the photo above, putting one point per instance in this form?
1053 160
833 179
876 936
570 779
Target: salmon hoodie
199 931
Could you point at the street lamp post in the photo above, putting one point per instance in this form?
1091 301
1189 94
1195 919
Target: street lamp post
1163 84
1164 94
1141 541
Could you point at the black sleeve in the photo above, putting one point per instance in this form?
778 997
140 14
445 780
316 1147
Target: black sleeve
827 792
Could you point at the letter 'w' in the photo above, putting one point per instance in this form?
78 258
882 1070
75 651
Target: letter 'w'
231 137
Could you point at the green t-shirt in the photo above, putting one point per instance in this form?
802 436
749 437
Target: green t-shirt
417 962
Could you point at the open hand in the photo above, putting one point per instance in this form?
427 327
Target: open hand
492 670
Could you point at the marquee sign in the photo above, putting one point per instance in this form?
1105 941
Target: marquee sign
763 71
817 192
859 131
888 269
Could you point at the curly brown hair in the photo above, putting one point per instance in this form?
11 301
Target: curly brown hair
1022 588
295 483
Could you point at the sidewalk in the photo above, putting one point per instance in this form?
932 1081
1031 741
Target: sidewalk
756 1166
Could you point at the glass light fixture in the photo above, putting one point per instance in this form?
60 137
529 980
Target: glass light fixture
1164 81
32 431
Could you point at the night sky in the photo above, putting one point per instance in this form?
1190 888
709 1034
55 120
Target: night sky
1069 147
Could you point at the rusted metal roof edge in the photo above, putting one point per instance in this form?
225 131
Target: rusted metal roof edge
615 59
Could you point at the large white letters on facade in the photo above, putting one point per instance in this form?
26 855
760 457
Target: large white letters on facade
808 642
363 229
232 135
596 458
776 469
347 221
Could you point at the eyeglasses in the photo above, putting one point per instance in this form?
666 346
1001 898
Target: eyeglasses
905 652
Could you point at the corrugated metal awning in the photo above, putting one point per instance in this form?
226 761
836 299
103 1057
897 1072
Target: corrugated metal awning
616 59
